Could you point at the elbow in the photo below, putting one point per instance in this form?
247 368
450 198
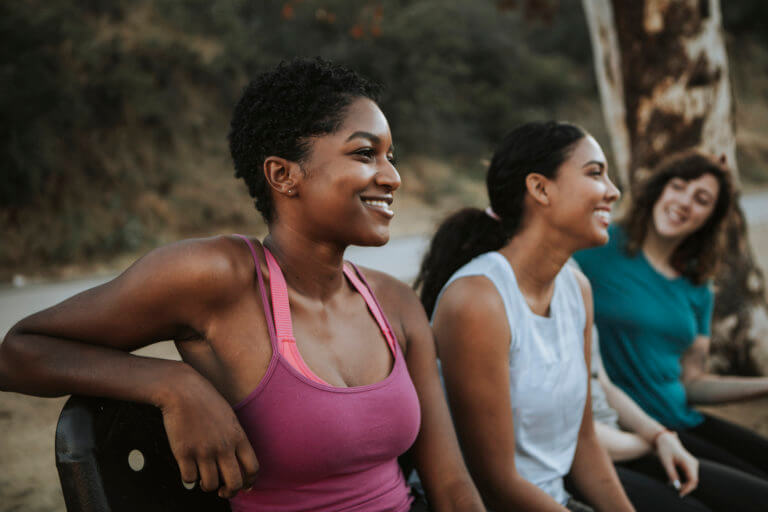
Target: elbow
502 491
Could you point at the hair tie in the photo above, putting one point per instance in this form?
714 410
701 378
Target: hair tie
492 214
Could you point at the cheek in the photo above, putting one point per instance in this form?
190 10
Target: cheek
701 214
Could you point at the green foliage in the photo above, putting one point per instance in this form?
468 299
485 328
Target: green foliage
106 104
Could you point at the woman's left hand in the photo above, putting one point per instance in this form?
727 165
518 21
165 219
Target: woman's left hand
672 455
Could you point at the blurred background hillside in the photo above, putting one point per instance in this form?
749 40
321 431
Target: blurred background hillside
114 114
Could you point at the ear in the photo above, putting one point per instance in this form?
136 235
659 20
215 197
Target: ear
282 175
537 186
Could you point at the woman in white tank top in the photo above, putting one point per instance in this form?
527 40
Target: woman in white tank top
512 322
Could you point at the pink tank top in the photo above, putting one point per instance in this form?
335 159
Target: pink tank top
320 447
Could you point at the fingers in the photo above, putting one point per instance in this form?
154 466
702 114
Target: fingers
249 465
669 466
691 468
232 478
209 474
188 470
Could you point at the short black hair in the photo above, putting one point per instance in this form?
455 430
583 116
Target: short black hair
281 109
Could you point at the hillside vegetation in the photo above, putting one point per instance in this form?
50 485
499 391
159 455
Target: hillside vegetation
115 114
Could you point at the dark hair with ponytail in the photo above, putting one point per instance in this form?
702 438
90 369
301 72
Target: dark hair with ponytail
539 147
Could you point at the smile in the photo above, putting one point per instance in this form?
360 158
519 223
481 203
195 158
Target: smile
604 216
676 216
380 205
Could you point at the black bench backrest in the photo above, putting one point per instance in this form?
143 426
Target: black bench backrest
114 456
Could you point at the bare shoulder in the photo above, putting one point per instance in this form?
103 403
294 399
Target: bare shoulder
387 289
401 306
212 268
586 288
472 297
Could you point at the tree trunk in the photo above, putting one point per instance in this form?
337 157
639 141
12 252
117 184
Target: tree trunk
662 72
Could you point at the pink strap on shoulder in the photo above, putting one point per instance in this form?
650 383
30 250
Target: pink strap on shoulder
358 281
262 291
286 343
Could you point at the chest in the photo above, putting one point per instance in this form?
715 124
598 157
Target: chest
343 345
648 307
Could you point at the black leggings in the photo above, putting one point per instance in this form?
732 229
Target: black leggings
730 479
729 444
646 493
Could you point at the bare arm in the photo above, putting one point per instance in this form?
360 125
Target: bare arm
473 344
436 450
81 346
592 470
704 388
645 435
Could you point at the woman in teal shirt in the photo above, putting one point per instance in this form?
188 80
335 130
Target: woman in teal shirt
653 308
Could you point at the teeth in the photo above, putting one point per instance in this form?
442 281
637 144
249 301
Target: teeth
675 216
377 203
603 215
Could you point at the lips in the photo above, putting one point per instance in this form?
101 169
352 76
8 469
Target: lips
676 216
379 204
604 215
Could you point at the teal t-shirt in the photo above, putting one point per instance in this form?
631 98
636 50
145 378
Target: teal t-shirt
646 321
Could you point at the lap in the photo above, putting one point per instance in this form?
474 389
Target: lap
649 494
721 487
729 444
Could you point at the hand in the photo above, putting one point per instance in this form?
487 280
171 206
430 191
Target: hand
206 438
672 454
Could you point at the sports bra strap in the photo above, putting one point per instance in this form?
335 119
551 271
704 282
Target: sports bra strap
279 291
262 290
358 281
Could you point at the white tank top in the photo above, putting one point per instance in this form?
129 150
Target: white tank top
547 372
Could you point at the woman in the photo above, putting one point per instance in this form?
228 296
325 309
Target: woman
329 390
512 323
653 309
648 455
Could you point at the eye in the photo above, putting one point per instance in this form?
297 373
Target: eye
595 171
703 201
677 184
392 159
366 153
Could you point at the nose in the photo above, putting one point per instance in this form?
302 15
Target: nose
612 193
388 177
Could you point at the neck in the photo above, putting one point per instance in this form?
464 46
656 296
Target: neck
311 268
658 250
537 256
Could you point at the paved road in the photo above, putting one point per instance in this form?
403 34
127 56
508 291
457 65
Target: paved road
400 258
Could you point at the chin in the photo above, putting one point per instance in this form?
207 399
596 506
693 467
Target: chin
373 239
597 239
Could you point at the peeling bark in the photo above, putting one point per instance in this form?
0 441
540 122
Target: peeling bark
662 72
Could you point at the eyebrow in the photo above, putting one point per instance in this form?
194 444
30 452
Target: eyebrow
368 135
594 162
365 135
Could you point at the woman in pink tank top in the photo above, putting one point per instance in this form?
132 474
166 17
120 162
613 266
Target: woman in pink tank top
303 378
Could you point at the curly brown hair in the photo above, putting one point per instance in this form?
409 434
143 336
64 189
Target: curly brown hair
699 255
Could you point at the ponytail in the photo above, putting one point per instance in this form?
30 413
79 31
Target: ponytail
533 147
460 238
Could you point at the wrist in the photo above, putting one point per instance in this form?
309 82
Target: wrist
657 436
169 386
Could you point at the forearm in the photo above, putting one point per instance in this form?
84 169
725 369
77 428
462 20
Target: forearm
46 366
595 477
447 485
713 389
516 493
621 445
631 417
